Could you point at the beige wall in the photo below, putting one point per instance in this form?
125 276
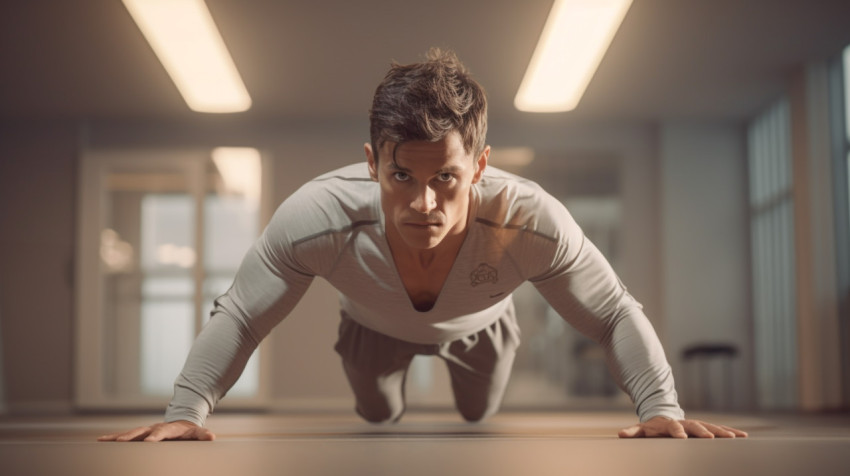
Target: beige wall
705 257
37 196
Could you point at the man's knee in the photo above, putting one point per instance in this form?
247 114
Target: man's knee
475 414
379 399
380 415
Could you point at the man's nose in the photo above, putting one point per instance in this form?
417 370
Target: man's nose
425 200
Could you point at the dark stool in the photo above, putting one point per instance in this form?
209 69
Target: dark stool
700 355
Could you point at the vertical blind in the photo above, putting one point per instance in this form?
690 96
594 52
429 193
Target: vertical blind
772 240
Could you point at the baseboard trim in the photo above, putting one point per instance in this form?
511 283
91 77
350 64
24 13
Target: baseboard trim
329 404
39 407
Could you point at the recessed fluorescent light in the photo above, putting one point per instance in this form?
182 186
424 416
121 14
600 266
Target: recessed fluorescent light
184 37
574 40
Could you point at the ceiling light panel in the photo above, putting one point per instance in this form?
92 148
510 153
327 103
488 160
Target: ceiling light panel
186 41
574 40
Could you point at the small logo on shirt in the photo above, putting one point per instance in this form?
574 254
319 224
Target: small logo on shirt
484 273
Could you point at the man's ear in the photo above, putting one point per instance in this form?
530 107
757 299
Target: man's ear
373 163
481 164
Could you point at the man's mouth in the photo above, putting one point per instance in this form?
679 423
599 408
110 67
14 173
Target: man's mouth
422 224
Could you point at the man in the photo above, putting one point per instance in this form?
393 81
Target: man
425 245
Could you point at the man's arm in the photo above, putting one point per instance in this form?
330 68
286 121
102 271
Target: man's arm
634 353
269 283
580 285
266 288
585 291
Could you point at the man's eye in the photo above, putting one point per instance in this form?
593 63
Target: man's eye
401 176
445 177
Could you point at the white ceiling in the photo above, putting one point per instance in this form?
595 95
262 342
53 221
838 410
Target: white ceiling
710 59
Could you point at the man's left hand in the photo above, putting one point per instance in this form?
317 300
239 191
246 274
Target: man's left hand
662 427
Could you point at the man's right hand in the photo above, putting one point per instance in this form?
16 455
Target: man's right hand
175 430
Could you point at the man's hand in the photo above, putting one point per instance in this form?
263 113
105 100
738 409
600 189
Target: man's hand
176 430
668 428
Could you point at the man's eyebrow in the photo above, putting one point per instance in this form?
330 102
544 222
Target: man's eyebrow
451 169
397 167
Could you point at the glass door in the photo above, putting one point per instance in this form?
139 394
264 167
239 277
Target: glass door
161 236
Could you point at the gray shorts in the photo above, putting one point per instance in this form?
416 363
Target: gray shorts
479 367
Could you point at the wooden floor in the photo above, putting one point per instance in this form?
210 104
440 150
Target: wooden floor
528 444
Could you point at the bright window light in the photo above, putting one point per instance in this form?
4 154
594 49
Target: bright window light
240 169
184 37
574 40
511 156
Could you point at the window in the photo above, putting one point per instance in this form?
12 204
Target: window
841 90
772 241
162 234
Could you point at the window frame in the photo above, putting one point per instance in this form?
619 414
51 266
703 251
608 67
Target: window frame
839 78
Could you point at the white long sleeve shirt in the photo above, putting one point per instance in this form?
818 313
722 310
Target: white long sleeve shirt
333 227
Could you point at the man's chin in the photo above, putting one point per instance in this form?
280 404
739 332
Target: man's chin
421 241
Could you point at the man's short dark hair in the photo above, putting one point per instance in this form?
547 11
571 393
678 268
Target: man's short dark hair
428 100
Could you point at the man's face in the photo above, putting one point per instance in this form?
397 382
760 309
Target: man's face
425 192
